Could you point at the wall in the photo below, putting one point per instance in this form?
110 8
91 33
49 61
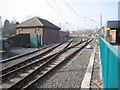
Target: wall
29 30
50 35
20 40
64 35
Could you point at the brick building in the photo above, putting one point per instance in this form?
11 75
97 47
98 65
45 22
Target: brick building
64 35
48 31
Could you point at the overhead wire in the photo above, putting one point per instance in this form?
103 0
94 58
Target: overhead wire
65 17
52 7
72 10
77 13
92 20
55 10
82 19
56 5
58 10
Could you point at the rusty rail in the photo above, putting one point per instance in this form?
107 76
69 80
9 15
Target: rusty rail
9 74
28 60
20 83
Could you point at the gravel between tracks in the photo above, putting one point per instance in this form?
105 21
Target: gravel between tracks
96 81
18 60
17 51
68 76
20 51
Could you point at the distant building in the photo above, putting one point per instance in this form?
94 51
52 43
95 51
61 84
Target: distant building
64 35
48 31
112 31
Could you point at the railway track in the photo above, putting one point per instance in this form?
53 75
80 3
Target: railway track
29 53
28 60
51 47
8 71
28 56
25 76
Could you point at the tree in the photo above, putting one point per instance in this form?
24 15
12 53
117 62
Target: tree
8 28
17 23
6 23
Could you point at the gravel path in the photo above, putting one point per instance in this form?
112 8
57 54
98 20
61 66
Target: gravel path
21 50
68 76
96 81
17 51
24 50
15 61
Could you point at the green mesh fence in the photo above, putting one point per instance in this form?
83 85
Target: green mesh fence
110 60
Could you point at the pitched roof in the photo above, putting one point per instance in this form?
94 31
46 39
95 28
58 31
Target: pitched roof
37 22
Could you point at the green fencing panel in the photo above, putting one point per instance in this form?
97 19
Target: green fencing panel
110 60
33 40
39 40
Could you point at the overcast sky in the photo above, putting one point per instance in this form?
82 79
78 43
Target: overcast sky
68 14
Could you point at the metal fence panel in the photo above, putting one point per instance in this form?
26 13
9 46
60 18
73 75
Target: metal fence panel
39 40
33 40
110 60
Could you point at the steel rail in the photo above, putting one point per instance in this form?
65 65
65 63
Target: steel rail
9 74
19 84
29 86
22 55
28 60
